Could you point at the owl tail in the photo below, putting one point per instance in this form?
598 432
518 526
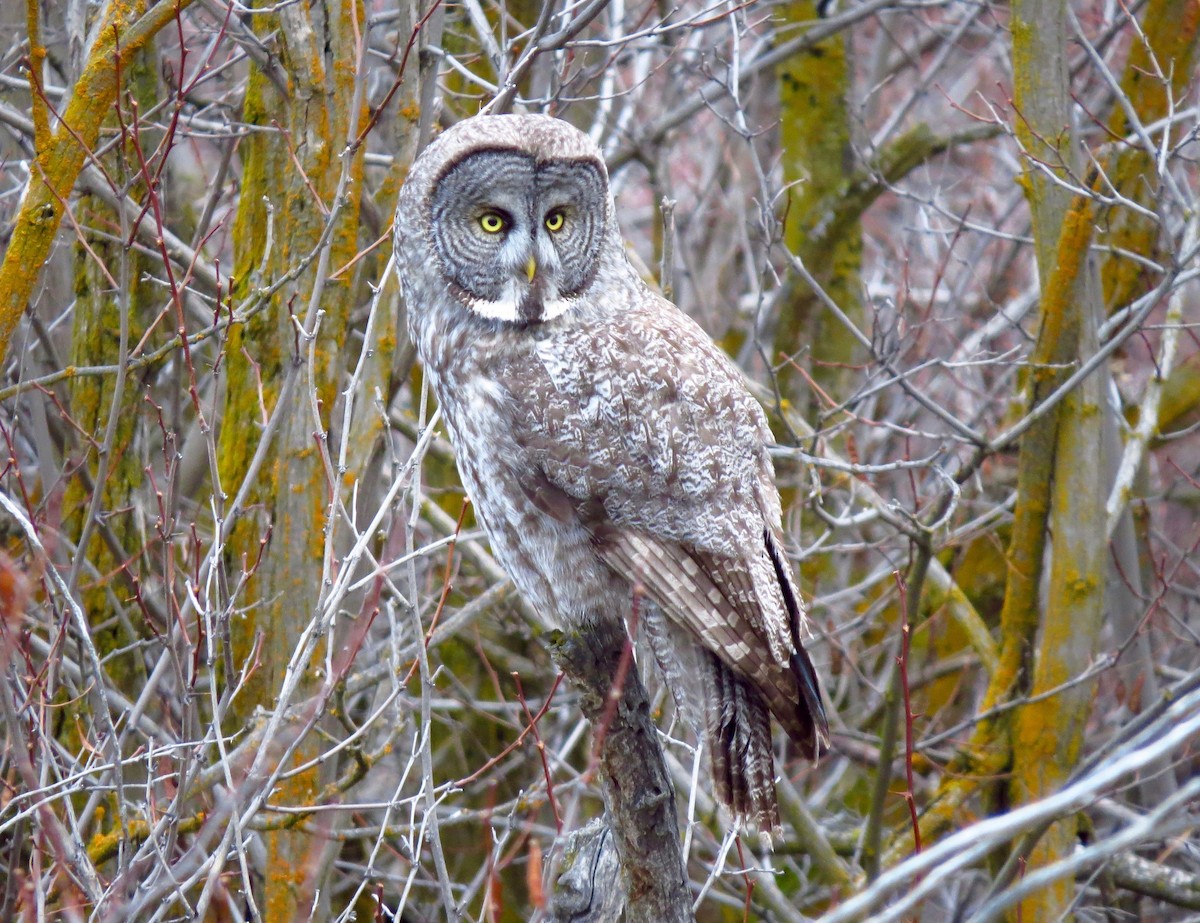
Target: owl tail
727 712
738 739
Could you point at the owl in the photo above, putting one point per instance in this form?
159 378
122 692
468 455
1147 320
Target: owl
611 450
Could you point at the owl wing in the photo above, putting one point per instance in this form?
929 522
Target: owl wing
646 434
713 599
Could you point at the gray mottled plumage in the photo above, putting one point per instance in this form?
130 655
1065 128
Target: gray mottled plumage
605 441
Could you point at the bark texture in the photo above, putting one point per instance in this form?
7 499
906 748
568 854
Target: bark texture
638 796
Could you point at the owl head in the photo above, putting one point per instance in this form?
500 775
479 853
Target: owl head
509 213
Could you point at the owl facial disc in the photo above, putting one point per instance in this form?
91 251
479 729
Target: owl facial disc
518 238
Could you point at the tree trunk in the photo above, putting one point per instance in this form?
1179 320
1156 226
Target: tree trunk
638 796
1048 731
284 361
817 165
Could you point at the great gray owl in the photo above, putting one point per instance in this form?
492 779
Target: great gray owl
605 441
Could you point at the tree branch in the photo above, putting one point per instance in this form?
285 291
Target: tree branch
637 789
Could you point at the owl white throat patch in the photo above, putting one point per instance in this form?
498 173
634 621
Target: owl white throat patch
519 304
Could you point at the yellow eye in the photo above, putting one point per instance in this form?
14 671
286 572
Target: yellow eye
555 220
492 222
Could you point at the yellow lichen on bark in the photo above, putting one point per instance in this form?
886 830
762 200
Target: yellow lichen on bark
1181 395
1157 76
117 476
1046 733
1058 494
274 365
814 138
1161 63
989 748
37 58
1049 729
57 166
103 847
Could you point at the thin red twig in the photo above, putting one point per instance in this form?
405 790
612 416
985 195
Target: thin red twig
618 684
541 748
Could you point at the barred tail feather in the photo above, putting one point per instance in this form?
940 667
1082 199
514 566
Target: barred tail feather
738 737
726 710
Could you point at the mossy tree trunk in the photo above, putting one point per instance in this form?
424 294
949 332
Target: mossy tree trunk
109 529
1060 493
1161 64
63 151
1053 599
817 165
114 302
283 369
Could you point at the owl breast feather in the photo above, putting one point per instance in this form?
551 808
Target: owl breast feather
657 428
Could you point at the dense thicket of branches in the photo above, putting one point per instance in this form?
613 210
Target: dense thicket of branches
256 661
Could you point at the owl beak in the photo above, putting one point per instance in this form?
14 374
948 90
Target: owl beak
531 268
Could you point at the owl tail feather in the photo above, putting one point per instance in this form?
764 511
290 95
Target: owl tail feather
738 732
728 711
